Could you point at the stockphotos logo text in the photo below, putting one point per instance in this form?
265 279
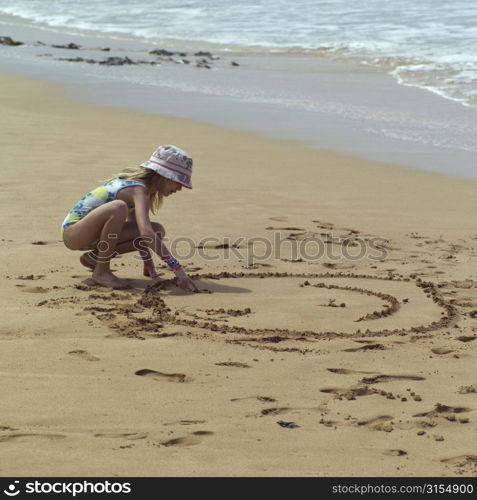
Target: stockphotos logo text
72 488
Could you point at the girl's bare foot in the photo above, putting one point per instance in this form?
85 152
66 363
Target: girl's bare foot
109 280
89 260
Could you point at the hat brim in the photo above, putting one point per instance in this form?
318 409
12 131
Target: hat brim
168 174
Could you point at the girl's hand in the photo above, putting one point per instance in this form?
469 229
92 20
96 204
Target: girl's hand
184 282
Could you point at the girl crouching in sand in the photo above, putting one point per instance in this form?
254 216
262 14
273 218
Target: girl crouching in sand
114 218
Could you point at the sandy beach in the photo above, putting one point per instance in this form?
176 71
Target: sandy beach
354 360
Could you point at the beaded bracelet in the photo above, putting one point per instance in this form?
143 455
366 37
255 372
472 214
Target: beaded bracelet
172 263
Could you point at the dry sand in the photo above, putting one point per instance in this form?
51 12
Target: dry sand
152 381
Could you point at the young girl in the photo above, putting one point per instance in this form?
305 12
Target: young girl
114 218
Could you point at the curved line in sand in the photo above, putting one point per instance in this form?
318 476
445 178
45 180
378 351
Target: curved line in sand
448 317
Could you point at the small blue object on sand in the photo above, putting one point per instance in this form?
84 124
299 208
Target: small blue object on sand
288 425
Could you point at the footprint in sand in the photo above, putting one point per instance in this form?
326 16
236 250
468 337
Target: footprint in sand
468 389
333 265
466 338
186 422
30 277
275 411
350 230
132 436
8 334
33 289
271 228
395 453
345 371
225 246
235 364
468 283
324 225
281 218
18 435
443 411
257 265
441 350
462 464
387 378
307 235
464 302
190 440
80 353
349 393
380 423
461 460
167 377
263 399
367 347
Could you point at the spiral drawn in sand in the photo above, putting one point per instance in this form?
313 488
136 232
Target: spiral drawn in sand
244 313
227 321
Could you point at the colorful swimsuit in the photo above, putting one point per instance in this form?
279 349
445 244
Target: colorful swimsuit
94 199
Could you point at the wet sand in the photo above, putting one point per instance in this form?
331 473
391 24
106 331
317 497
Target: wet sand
316 99
291 365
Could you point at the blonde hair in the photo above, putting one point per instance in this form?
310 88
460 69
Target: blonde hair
151 179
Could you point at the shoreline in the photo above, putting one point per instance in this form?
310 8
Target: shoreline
96 378
323 104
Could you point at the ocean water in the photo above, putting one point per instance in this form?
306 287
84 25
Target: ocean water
429 44
390 81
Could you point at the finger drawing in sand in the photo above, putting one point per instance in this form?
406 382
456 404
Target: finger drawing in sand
113 218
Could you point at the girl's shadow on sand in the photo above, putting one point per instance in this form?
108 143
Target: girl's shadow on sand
139 285
207 287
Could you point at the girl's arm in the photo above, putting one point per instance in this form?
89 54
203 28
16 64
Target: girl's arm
152 240
144 253
149 268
